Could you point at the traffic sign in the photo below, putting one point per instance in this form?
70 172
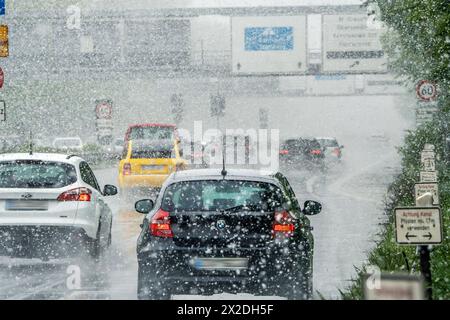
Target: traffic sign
426 90
418 225
269 44
2 111
428 176
217 105
424 187
104 124
426 155
393 287
429 165
425 111
2 7
103 109
350 46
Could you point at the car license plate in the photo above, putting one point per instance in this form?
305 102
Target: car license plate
26 205
153 168
220 263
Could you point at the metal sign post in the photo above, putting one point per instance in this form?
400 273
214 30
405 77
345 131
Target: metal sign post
425 267
177 107
104 123
422 225
2 111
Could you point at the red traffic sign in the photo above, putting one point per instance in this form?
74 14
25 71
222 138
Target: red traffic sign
2 77
103 109
426 90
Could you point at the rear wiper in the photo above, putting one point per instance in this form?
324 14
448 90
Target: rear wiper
237 208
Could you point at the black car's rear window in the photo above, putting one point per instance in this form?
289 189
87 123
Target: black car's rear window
220 195
300 145
328 143
36 174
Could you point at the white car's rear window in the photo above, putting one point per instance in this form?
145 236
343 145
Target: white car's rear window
36 174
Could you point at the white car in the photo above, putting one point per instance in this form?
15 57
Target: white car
51 206
69 143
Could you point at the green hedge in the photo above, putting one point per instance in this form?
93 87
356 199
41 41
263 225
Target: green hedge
389 256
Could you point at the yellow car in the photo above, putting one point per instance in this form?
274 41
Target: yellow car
148 163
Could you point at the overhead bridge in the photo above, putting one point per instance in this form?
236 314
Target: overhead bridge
153 42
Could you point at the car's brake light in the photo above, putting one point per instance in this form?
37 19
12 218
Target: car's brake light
283 223
337 151
316 151
78 194
284 151
160 225
126 169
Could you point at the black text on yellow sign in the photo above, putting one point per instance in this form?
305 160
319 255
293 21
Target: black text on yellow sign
4 46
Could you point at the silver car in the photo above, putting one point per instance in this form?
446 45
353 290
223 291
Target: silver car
51 205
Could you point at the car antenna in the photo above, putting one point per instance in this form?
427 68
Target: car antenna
224 171
31 142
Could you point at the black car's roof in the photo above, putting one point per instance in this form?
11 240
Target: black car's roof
241 174
301 139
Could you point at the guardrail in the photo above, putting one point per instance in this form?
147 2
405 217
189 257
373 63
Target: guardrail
93 157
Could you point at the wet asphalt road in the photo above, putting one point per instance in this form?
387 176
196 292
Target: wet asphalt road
352 194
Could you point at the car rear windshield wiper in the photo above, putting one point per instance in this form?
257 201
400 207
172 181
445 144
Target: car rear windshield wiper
239 207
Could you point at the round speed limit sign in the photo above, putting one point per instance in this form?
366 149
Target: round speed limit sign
103 110
426 90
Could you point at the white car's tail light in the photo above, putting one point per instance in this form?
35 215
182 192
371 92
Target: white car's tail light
78 194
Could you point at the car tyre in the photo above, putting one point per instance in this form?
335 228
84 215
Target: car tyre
95 249
150 288
300 288
295 284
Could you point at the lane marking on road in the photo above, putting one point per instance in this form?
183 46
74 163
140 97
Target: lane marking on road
36 290
339 189
87 295
18 283
310 185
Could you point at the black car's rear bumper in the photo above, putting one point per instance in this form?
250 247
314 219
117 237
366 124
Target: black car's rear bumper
172 265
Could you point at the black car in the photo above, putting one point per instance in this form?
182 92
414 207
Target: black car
306 152
240 232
